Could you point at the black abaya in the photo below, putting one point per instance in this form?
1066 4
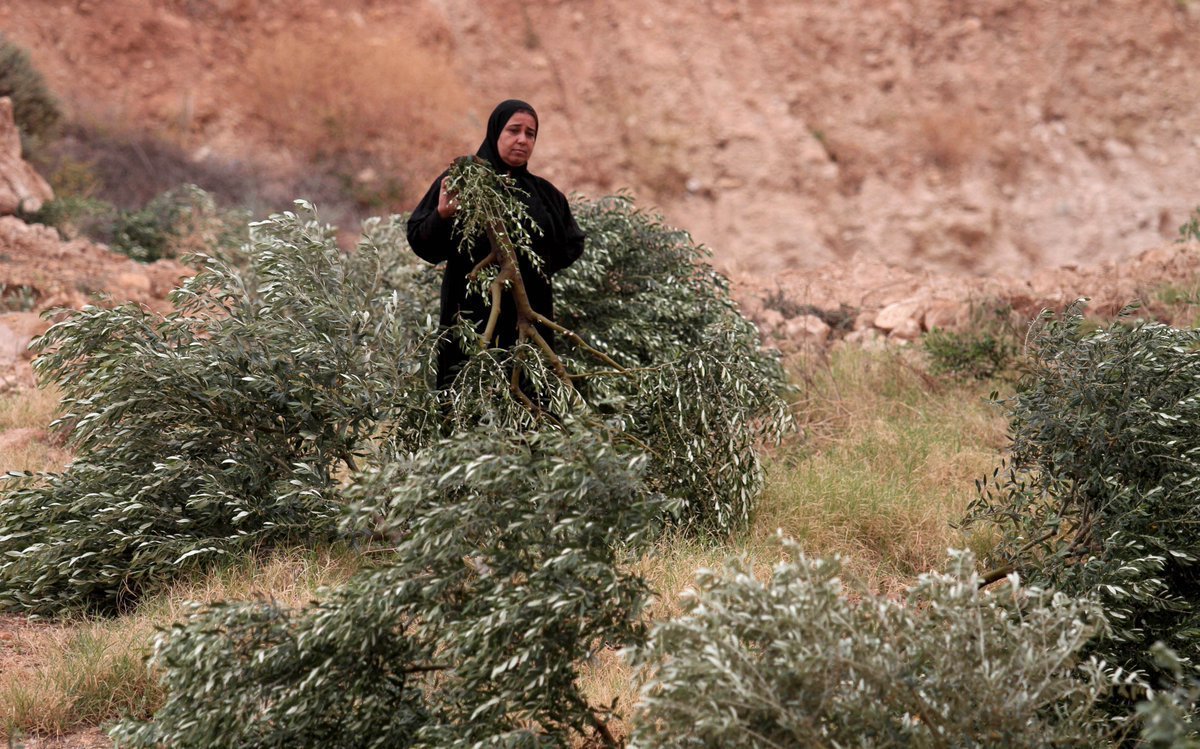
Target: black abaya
559 244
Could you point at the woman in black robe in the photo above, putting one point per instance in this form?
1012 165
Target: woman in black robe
511 134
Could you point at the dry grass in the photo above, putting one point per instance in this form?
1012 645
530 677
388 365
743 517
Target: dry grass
60 678
28 408
889 461
388 103
25 442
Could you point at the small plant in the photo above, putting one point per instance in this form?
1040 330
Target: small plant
1190 231
35 109
21 298
800 660
985 350
73 216
179 222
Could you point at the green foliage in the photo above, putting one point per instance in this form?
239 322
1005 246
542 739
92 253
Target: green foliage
801 661
74 215
985 350
510 568
35 109
1168 717
701 391
215 429
1190 231
178 222
22 298
488 199
1101 493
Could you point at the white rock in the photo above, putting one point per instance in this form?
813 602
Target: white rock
899 314
808 328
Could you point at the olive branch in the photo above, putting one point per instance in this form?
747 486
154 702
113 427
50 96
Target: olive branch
489 205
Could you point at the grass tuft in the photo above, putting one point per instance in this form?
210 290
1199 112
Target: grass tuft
888 460
60 678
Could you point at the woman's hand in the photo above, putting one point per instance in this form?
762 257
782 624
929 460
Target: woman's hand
447 203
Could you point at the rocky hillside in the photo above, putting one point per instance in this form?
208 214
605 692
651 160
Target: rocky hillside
902 155
1001 135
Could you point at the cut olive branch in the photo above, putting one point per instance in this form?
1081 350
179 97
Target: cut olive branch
490 209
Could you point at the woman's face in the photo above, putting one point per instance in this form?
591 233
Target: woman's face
516 140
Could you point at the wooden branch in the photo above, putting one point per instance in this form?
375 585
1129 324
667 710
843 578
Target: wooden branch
515 386
503 253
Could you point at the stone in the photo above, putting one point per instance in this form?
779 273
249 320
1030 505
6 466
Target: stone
868 338
907 330
946 315
770 320
807 328
12 346
899 314
865 321
131 281
22 190
18 329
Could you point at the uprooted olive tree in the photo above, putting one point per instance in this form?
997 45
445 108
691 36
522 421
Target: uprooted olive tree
288 400
1100 494
808 658
234 422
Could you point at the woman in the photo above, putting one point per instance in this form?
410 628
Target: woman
511 134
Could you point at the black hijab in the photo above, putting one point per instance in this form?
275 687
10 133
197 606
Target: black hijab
547 206
489 149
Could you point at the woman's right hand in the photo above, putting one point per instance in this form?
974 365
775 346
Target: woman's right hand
447 203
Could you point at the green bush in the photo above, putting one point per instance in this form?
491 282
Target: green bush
1100 495
799 660
1168 717
985 350
1190 231
181 221
74 215
35 109
510 569
216 429
703 391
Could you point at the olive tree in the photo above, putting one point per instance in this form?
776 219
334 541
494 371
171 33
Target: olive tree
1100 493
803 659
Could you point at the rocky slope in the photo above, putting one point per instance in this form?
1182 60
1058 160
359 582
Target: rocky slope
899 160
996 136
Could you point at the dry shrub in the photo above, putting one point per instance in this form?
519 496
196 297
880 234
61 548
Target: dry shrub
109 161
950 139
335 95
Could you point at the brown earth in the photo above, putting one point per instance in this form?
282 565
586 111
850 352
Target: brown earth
1002 135
898 159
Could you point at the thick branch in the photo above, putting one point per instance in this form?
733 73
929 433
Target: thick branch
492 211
